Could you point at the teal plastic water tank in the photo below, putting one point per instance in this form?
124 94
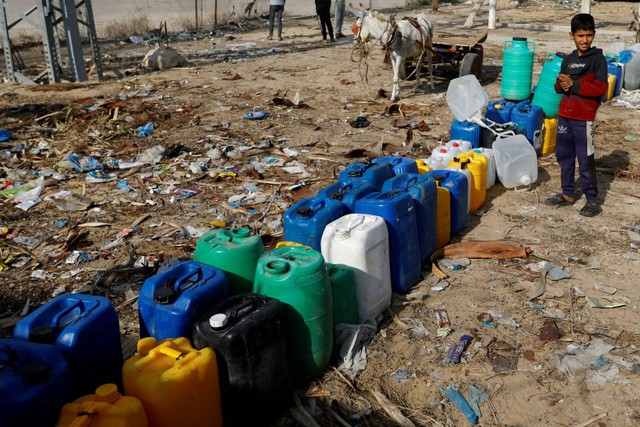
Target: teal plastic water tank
545 95
517 69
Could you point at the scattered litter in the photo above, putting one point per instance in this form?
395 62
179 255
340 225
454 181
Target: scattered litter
84 163
550 331
604 302
256 115
503 318
4 135
67 201
443 323
402 375
458 400
416 326
455 351
606 289
455 264
360 122
350 342
555 272
592 359
145 131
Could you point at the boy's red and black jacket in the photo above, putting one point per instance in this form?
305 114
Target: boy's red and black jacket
589 74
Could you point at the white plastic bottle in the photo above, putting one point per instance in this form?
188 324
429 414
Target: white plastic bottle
361 241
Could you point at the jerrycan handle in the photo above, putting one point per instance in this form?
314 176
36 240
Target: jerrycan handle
242 308
356 222
410 183
188 281
77 305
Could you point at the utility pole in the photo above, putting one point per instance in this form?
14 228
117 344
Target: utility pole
215 14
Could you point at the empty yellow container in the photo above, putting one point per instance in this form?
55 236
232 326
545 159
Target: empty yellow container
177 384
611 85
549 129
423 167
105 408
443 217
475 163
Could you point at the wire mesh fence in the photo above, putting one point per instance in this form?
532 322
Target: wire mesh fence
116 19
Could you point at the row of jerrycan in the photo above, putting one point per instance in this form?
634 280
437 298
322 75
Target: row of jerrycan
63 350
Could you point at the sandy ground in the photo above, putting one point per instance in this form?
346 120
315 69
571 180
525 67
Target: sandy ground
201 106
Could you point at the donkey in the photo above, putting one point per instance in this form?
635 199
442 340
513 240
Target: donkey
409 37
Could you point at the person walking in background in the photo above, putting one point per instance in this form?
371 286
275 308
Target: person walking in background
339 16
323 9
582 81
276 7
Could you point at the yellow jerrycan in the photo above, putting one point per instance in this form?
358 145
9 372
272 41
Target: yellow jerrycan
475 163
177 384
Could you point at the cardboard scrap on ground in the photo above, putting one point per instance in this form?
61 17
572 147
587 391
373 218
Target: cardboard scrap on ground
499 249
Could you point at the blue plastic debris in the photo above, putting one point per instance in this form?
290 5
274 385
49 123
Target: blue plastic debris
458 400
478 395
4 135
256 115
146 130
84 163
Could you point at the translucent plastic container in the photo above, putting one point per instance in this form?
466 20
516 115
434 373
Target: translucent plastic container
362 242
177 384
516 161
631 59
466 97
106 408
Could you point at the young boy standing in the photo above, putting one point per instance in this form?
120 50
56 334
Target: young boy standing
582 81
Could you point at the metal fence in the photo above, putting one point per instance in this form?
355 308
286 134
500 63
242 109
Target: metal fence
116 19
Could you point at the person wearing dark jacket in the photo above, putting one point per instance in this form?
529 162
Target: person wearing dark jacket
323 9
582 81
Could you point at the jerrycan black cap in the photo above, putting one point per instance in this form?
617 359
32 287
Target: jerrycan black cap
336 196
165 295
520 39
356 173
37 372
43 334
305 211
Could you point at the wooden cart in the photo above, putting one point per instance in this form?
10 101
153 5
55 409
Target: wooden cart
464 54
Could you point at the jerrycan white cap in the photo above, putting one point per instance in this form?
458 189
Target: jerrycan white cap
525 180
219 320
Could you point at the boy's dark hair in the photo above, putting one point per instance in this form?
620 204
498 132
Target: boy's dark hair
583 21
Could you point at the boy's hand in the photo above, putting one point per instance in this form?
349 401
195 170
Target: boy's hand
565 81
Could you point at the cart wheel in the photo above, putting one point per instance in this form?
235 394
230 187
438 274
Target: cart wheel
471 64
